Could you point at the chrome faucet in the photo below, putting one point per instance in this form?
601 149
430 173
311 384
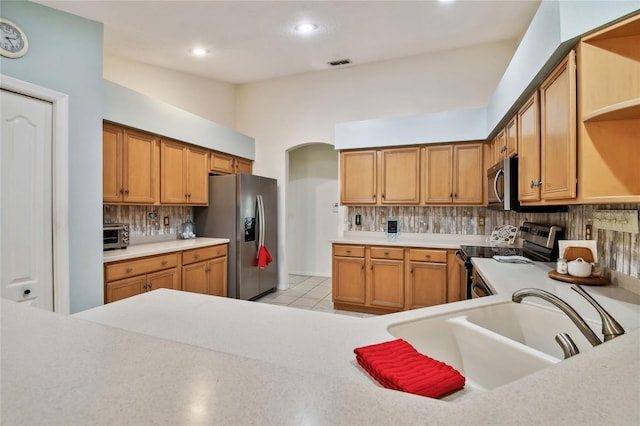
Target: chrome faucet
610 327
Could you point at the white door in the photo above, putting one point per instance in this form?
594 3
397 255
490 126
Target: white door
26 252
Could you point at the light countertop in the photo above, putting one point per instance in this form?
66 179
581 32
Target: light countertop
182 358
141 250
447 241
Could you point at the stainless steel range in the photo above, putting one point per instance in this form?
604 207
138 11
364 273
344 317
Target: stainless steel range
539 243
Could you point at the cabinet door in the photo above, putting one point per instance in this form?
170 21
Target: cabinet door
511 134
112 187
121 289
348 280
437 174
501 146
173 169
163 279
400 176
218 276
358 177
529 150
197 176
221 163
194 278
386 283
558 132
139 167
427 284
243 166
468 174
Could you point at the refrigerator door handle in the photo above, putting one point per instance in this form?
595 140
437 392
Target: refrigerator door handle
260 223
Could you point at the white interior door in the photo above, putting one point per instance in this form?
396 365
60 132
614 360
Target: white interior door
26 241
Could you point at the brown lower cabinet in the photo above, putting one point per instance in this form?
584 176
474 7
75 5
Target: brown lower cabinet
205 270
383 279
201 270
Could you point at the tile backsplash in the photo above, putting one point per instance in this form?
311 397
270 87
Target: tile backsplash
148 221
619 251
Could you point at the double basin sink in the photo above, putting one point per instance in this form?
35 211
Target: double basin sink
493 345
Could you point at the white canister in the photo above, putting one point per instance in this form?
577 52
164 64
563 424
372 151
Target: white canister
579 268
561 266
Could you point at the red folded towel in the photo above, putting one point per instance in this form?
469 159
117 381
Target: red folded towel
397 365
264 257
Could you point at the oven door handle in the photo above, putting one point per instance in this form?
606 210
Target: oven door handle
460 257
482 286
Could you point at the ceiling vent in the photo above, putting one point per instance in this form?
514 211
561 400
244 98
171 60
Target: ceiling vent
339 62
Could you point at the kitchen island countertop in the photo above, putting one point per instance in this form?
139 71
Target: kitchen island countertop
181 358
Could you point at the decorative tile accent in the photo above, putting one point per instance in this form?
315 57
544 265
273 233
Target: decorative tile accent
142 224
619 251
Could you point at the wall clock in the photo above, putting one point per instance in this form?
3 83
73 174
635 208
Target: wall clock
13 41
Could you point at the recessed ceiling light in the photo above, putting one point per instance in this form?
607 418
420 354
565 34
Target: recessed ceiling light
199 51
305 28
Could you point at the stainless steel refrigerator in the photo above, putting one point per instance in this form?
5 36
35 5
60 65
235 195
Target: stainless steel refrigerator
234 213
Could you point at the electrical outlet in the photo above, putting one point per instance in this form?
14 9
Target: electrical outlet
481 221
588 232
166 221
383 220
358 220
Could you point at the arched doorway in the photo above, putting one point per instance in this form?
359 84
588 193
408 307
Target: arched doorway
312 212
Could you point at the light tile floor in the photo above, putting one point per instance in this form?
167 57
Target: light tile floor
307 292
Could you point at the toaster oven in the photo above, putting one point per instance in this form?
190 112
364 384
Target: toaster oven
115 236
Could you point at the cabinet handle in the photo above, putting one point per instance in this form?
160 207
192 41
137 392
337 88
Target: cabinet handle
427 256
196 256
386 253
149 286
411 270
348 251
374 196
451 195
126 192
129 270
383 195
362 267
164 262
539 183
372 267
455 195
531 184
207 269
122 190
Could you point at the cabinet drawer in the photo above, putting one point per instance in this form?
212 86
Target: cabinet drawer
348 251
428 255
145 265
197 255
387 253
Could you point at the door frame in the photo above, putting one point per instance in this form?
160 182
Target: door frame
60 186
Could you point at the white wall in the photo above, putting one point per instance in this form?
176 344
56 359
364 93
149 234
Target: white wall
287 112
211 99
312 221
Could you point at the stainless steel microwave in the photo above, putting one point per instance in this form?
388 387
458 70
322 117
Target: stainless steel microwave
115 236
502 181
502 189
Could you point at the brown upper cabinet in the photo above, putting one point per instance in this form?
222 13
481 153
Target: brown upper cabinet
511 136
228 164
129 166
609 111
400 175
548 165
221 163
453 174
184 177
358 177
242 165
388 176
